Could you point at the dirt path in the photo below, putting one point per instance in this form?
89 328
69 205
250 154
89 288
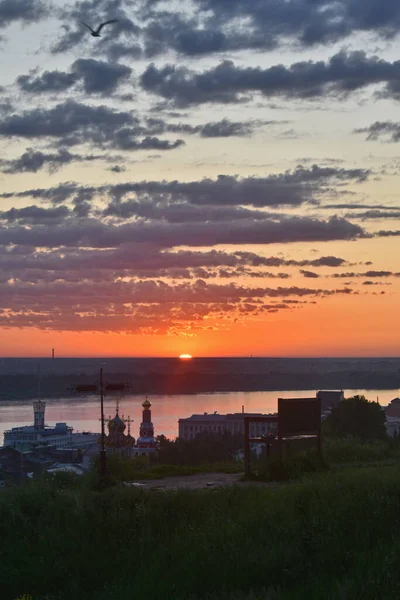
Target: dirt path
195 482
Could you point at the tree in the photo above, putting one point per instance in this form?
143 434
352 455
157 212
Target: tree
357 417
206 447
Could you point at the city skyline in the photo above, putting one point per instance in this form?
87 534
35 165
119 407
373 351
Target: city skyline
208 177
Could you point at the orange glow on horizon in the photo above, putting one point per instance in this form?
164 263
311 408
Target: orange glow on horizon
338 326
185 356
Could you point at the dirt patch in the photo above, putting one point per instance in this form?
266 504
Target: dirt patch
195 482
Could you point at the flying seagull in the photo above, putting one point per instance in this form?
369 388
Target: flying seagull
96 32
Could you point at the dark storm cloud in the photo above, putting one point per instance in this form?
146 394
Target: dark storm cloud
375 214
381 129
321 21
64 119
49 81
204 27
93 233
309 274
342 74
226 128
125 140
128 260
369 274
33 215
179 212
359 206
387 233
275 261
216 129
97 77
325 261
94 12
100 77
35 160
73 123
26 11
57 194
291 188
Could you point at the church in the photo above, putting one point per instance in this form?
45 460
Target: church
118 442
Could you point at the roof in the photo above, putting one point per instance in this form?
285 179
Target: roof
59 429
66 469
220 418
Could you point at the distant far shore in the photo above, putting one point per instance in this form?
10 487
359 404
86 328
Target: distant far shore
52 385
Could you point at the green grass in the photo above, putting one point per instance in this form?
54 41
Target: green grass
350 450
333 536
338 454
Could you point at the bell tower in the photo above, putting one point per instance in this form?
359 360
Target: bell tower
146 439
39 408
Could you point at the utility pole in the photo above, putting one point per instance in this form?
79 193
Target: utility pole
102 387
103 458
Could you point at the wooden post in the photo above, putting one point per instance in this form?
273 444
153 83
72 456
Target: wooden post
319 433
279 433
246 447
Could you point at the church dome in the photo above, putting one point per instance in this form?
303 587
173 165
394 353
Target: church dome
116 424
146 404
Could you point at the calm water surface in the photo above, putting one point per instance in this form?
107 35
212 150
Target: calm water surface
83 413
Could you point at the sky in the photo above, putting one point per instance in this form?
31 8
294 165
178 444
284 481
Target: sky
213 177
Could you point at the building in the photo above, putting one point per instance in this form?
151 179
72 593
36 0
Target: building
234 423
146 443
60 436
215 423
31 459
12 465
392 412
117 442
330 399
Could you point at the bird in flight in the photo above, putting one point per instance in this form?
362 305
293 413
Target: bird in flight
96 32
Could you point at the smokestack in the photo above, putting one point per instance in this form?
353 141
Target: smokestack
52 354
242 409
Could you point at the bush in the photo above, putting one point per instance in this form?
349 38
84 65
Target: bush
206 447
291 468
356 417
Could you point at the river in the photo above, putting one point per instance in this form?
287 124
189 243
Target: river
83 413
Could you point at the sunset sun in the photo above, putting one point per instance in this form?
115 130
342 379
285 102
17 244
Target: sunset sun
185 356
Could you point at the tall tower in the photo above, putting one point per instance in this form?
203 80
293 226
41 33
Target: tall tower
146 439
39 408
52 354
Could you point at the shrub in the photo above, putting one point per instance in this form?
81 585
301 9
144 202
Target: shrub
356 417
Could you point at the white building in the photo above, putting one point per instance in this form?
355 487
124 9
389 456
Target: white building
215 423
60 435
392 412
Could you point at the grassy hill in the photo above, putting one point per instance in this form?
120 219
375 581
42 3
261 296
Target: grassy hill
332 535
